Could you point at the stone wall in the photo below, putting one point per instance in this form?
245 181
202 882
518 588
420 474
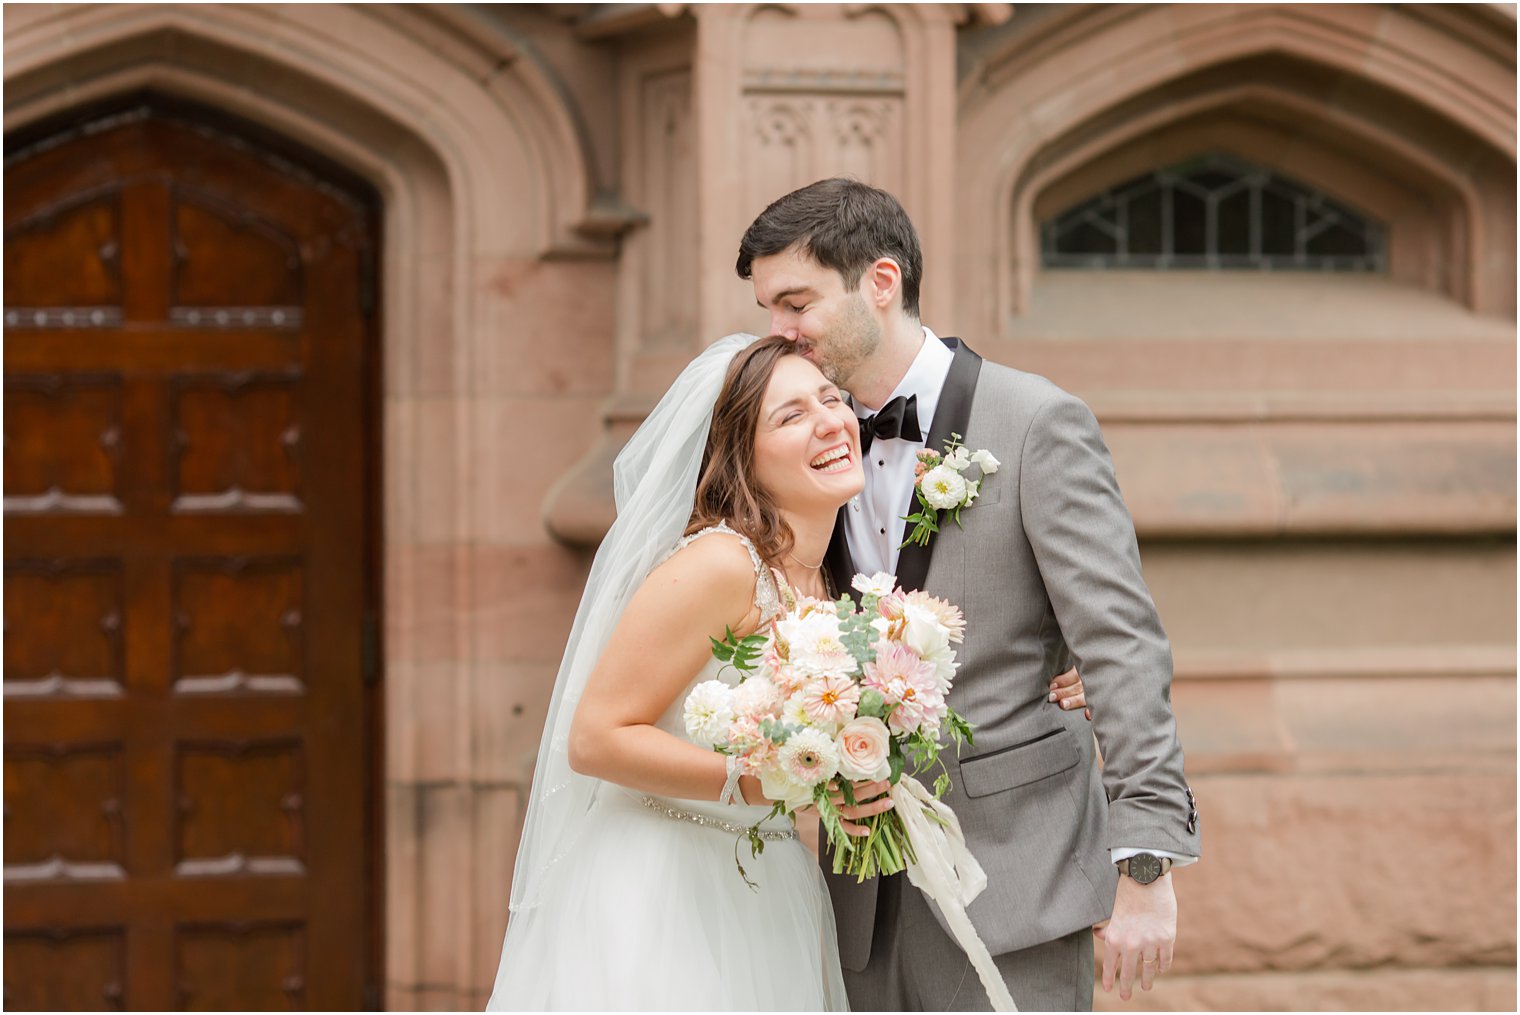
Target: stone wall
1322 469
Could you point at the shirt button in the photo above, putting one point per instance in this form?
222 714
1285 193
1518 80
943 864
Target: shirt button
884 532
882 462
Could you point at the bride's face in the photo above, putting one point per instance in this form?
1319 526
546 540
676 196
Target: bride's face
807 440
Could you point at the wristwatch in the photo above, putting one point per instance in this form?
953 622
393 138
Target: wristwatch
1144 867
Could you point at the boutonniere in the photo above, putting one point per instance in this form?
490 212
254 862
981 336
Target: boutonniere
940 485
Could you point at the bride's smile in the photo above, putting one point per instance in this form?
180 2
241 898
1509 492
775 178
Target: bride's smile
836 459
807 444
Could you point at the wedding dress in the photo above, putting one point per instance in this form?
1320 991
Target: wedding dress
648 911
625 901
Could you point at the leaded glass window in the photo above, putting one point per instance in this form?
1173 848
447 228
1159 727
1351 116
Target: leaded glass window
1213 212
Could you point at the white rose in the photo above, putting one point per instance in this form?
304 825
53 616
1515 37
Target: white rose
958 459
863 745
943 487
988 464
879 584
944 665
923 632
709 711
778 785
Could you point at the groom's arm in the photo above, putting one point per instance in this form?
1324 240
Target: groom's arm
1084 543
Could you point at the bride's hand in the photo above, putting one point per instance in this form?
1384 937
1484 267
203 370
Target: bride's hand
871 798
1067 692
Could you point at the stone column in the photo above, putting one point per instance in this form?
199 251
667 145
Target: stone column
729 108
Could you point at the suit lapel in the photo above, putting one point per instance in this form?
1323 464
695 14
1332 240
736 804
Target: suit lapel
951 416
837 559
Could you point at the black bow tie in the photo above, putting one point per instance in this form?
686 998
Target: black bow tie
898 418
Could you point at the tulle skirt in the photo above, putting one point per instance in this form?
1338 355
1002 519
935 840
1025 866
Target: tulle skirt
648 912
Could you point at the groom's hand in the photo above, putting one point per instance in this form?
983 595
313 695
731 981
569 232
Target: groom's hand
1139 936
870 799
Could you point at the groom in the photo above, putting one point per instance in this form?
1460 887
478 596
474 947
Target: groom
1046 569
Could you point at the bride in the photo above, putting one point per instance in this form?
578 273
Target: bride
626 893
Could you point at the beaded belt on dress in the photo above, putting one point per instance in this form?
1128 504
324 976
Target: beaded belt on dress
661 807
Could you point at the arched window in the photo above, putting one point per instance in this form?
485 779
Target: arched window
1213 212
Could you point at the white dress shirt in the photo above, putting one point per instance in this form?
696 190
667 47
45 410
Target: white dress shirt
876 526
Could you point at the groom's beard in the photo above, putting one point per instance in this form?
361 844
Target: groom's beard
843 349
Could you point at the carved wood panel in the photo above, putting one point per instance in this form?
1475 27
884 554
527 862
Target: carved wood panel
188 529
254 966
236 442
66 254
241 808
62 443
83 969
238 626
63 633
46 841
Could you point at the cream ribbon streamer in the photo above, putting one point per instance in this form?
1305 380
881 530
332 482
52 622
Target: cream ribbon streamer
946 871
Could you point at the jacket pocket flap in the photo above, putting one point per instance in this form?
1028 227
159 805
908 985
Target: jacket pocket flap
1019 766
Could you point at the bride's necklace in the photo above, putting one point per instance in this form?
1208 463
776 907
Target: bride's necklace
810 567
823 576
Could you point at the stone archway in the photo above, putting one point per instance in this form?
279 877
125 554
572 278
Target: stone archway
444 121
1087 70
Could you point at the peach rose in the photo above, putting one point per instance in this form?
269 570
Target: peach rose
863 746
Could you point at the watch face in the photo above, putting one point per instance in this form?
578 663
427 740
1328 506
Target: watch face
1144 867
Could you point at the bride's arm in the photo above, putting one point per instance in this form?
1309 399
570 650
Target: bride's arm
657 647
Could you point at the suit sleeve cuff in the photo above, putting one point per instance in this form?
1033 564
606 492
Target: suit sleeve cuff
1125 852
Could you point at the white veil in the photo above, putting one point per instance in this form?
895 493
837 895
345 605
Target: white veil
654 483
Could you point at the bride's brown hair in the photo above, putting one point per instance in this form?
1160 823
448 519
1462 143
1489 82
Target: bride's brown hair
727 490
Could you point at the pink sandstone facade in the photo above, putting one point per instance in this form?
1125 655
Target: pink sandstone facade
1321 466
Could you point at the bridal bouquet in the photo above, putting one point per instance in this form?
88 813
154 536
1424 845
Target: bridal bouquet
834 693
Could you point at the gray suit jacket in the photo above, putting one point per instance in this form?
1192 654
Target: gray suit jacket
1047 571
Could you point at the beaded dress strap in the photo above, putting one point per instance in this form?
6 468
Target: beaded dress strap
767 599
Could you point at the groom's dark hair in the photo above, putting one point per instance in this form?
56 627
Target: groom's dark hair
842 224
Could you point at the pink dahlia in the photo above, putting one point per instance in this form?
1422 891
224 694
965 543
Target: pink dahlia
831 698
910 683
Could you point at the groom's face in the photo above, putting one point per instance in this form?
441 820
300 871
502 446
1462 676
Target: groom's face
831 323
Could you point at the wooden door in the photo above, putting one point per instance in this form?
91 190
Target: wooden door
188 467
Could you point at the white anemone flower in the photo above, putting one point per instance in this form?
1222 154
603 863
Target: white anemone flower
794 710
879 584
